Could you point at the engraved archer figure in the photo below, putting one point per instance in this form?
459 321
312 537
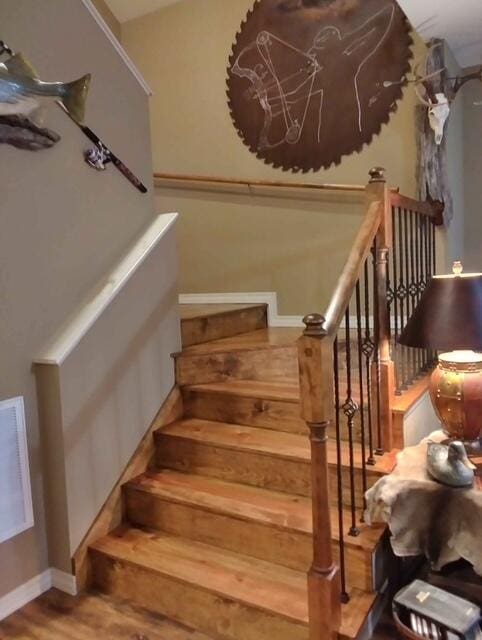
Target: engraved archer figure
287 100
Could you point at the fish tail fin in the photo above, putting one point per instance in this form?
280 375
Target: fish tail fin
74 95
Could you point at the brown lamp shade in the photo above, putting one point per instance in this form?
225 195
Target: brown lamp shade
448 316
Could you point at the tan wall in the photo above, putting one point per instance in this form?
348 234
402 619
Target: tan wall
471 93
109 17
295 247
240 243
99 401
455 245
62 224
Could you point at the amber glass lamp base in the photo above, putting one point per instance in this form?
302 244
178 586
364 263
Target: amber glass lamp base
456 393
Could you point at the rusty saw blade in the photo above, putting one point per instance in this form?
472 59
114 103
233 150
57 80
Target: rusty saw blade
311 81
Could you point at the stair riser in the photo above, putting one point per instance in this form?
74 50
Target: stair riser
204 329
185 602
256 412
291 549
251 412
263 364
252 468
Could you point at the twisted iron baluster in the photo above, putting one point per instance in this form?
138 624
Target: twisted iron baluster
376 352
339 480
367 349
350 409
362 398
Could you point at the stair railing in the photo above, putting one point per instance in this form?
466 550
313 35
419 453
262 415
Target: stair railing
348 383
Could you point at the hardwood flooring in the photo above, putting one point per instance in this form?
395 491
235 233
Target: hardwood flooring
57 616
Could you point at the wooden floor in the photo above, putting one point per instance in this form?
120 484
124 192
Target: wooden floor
57 616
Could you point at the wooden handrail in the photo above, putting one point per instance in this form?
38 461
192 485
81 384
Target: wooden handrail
196 180
353 267
424 208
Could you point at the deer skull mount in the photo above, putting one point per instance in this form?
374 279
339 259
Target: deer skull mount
438 114
436 91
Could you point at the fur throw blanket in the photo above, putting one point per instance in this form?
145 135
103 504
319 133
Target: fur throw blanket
425 517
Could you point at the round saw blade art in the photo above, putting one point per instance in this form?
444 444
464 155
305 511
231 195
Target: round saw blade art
310 81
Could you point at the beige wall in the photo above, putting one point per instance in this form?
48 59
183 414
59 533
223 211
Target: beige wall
471 93
235 242
183 52
99 401
62 224
455 249
109 17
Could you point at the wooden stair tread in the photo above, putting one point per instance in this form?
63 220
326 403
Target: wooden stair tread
274 443
286 390
260 584
355 613
273 508
260 339
208 310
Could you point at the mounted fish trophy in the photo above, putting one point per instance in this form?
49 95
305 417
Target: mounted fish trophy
306 78
20 88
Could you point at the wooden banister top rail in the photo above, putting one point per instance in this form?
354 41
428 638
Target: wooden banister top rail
353 268
193 180
424 208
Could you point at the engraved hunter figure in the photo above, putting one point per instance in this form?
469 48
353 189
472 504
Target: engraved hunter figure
305 89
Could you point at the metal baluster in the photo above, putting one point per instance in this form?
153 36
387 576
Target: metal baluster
395 298
350 409
416 241
367 349
422 219
341 527
407 280
413 291
401 297
376 352
428 263
362 395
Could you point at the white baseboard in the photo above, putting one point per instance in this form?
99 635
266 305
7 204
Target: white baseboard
259 297
271 299
34 588
65 582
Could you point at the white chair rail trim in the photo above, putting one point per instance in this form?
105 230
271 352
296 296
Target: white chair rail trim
66 340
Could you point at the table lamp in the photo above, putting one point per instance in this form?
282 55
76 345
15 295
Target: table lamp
448 319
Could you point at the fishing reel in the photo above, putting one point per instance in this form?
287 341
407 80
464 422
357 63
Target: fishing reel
98 157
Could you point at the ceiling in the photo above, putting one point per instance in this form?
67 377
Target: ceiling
125 10
458 21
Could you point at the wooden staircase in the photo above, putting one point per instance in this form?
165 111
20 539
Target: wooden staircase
218 535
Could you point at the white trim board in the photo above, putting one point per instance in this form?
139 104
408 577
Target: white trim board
264 297
34 588
69 336
117 45
260 297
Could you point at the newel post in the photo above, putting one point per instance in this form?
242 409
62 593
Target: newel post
377 190
315 352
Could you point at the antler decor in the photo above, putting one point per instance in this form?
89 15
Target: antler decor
432 169
437 91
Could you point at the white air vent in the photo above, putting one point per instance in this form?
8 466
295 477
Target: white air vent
16 512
